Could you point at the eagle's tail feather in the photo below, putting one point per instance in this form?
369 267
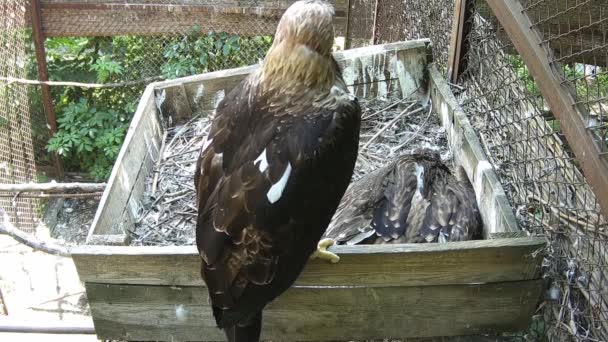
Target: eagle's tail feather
247 330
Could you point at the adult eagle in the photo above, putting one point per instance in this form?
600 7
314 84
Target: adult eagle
279 156
413 199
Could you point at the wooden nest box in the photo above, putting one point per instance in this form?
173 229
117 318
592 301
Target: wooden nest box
374 292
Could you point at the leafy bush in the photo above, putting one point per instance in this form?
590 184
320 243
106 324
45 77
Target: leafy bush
89 138
92 122
196 53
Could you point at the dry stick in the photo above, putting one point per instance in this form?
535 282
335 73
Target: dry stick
422 126
53 187
3 303
64 195
58 299
178 193
391 105
6 227
151 206
179 154
183 129
367 117
175 199
387 126
160 158
11 80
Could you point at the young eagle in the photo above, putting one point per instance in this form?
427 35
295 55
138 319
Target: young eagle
413 199
279 157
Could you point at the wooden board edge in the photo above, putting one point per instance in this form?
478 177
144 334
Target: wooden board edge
468 152
523 297
107 240
499 260
147 96
339 55
532 242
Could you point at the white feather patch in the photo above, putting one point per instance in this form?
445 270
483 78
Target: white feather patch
276 190
419 180
207 143
263 161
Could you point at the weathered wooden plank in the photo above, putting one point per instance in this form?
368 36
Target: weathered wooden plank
528 43
137 312
459 42
494 206
366 265
139 150
145 17
369 71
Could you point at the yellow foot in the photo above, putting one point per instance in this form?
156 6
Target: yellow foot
322 252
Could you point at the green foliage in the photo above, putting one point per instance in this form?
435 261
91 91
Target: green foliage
523 74
196 53
88 137
92 121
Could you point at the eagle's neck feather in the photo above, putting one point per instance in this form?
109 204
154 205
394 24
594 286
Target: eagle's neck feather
290 67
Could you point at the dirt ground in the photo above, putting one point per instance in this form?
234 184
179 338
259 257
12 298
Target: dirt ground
39 287
74 219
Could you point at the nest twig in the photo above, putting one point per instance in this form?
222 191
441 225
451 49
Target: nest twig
168 217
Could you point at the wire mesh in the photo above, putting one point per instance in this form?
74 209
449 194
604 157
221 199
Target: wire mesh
577 32
407 19
16 150
361 23
93 42
541 177
524 142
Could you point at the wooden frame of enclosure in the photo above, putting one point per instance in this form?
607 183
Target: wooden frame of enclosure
410 290
61 18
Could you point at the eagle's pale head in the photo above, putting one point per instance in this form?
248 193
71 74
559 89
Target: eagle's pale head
310 23
300 56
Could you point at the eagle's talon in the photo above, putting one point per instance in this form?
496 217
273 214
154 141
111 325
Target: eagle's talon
323 253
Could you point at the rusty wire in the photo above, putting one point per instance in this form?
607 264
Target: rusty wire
16 151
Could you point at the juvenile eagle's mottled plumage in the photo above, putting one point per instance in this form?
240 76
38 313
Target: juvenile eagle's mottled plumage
414 199
279 156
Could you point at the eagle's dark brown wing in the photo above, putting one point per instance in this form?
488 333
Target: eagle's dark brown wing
414 199
351 222
268 180
453 214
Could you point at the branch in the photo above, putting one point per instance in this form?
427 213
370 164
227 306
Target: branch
6 227
54 195
11 80
53 187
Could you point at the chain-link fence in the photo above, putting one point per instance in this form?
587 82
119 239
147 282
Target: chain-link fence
524 140
542 178
404 20
577 33
128 45
16 150
116 47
